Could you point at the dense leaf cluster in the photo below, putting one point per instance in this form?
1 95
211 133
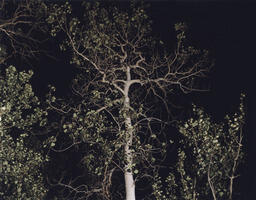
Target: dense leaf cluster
21 176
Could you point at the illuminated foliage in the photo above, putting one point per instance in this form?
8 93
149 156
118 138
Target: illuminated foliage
20 167
209 156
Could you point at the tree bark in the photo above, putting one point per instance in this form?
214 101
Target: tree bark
128 174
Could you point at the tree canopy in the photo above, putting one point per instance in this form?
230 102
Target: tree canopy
115 118
122 70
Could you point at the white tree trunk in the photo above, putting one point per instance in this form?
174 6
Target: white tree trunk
128 174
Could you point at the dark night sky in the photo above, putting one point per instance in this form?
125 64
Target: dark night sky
227 31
